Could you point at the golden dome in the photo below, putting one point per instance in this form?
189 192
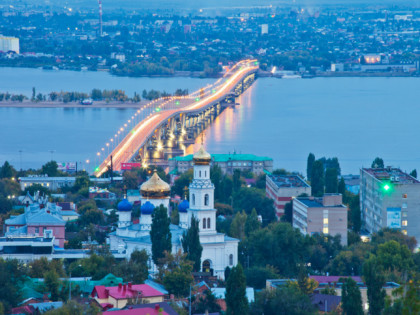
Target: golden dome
201 157
155 188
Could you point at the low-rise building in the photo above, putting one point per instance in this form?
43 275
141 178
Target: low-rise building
118 296
282 188
325 215
227 162
390 198
38 220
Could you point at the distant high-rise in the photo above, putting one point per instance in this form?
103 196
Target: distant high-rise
264 29
9 44
100 17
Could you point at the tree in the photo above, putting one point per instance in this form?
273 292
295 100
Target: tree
378 163
7 171
50 168
176 270
414 173
11 279
374 279
73 308
252 198
32 189
305 284
237 228
256 277
236 300
286 300
342 187
191 244
317 178
278 245
354 215
310 162
181 182
160 234
252 223
136 269
288 213
351 298
52 284
236 180
206 303
395 256
331 180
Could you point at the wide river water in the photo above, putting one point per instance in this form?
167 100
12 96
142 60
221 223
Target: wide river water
355 119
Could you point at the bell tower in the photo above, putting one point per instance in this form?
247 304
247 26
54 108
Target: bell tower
202 193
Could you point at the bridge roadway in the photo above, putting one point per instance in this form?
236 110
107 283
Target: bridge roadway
145 128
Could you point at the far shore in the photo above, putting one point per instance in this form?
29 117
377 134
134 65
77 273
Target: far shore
50 104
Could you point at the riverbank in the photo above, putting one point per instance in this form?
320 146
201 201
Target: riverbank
49 104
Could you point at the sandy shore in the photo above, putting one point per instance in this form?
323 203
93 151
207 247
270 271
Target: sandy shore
96 104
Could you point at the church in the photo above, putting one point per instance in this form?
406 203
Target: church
219 250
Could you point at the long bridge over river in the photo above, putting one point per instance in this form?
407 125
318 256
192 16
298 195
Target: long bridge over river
164 127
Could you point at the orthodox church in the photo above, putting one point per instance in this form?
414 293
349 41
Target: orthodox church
219 250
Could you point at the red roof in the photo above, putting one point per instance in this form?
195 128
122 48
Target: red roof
333 279
126 291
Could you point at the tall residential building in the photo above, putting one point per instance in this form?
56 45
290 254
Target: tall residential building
282 188
325 215
9 44
390 198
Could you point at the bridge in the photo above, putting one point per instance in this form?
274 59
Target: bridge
164 127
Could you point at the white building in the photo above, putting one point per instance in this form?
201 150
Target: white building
264 29
219 250
9 44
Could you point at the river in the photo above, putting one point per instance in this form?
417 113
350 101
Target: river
354 119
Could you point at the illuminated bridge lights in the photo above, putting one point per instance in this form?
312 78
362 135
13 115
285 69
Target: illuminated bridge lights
197 99
157 109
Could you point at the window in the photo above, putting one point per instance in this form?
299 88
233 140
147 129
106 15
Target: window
208 223
325 230
404 223
404 196
404 205
231 260
325 220
37 230
199 174
404 214
193 199
205 173
206 199
404 232
204 223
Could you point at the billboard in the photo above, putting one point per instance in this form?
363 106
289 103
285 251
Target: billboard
393 218
67 166
129 166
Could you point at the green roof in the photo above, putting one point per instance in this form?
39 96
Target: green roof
227 157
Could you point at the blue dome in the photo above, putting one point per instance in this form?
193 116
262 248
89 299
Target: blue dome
184 206
124 205
147 208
